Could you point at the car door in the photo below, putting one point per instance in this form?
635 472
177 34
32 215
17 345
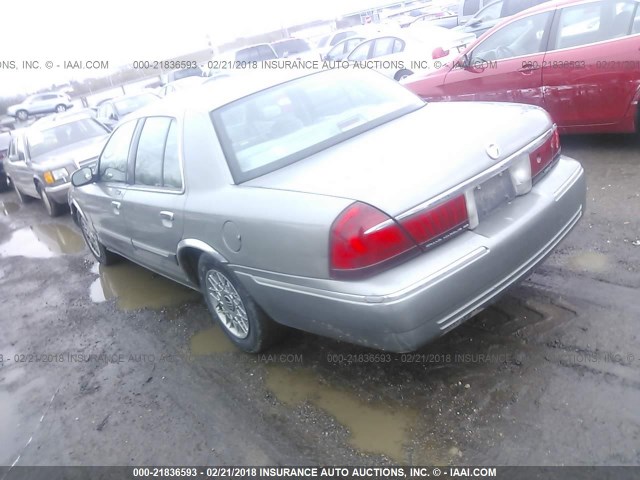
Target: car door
18 167
591 73
153 206
102 200
506 66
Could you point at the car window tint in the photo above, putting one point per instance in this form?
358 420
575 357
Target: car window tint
340 36
172 177
593 22
636 22
382 46
470 7
360 53
150 152
398 45
522 37
113 161
490 12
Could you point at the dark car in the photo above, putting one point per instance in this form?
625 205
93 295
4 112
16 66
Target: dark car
5 141
113 110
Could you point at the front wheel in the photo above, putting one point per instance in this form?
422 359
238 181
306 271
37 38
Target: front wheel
241 318
60 108
101 254
53 208
22 115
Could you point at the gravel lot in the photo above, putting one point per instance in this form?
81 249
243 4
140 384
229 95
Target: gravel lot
116 366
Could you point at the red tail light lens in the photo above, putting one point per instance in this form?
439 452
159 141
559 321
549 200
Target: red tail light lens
545 154
439 53
431 226
363 239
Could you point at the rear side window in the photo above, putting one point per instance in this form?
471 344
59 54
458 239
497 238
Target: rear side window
157 161
594 22
114 158
382 46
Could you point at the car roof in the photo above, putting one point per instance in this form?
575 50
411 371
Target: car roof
60 119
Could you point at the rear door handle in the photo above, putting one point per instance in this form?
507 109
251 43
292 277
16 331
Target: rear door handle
167 218
116 207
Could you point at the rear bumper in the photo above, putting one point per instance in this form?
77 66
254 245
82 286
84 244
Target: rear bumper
420 300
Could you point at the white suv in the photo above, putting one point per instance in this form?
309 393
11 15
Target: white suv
40 103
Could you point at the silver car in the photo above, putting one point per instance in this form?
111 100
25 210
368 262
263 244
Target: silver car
42 157
40 103
338 203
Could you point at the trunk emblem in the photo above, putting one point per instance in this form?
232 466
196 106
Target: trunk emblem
493 151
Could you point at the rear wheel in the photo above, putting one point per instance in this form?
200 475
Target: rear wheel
101 254
60 108
53 208
22 115
402 74
4 182
241 318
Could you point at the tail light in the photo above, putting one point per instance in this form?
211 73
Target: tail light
431 226
364 239
545 154
439 53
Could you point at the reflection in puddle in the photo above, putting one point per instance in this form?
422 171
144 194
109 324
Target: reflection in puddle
136 287
590 261
7 208
375 427
211 341
42 241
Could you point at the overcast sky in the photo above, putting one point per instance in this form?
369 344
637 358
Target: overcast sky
121 31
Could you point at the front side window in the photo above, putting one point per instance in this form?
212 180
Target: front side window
361 52
522 37
283 124
488 13
382 46
115 156
470 7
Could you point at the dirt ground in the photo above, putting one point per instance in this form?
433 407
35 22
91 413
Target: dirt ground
116 366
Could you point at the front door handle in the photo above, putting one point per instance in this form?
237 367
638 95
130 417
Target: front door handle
167 218
116 207
528 70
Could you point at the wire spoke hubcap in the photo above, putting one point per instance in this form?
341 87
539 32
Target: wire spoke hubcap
227 304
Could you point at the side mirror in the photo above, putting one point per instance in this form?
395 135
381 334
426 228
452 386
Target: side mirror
83 176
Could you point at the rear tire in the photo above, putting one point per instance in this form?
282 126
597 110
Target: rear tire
240 317
4 183
99 252
402 74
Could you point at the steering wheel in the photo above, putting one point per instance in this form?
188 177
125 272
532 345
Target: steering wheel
504 52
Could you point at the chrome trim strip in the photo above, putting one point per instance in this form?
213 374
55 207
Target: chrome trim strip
200 245
478 179
486 296
150 249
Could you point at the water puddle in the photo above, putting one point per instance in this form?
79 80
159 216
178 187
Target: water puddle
590 261
7 208
211 341
42 241
374 427
135 287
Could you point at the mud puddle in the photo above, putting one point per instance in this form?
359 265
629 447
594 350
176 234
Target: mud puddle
42 241
374 427
211 341
135 287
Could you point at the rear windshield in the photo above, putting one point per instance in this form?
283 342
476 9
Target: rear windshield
291 47
275 127
44 141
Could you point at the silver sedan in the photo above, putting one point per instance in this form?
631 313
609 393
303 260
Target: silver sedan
338 203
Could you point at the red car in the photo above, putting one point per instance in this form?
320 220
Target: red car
579 60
